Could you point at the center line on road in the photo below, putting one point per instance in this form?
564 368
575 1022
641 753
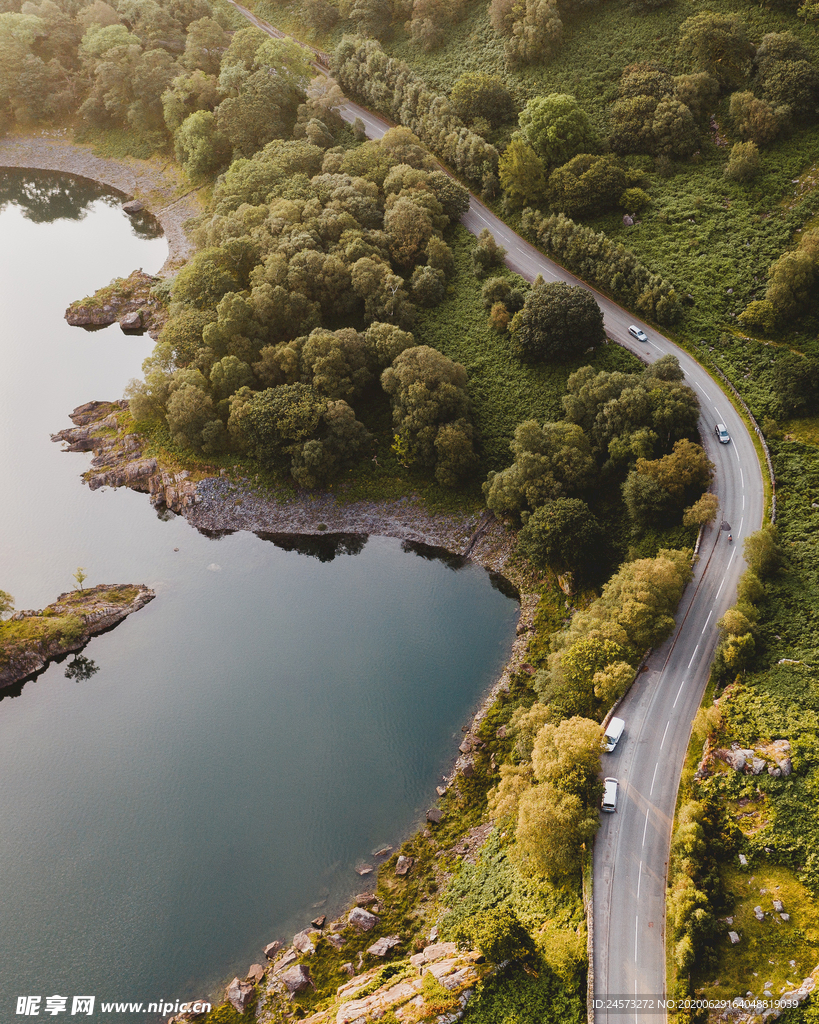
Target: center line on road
639 879
740 526
654 776
636 926
682 684
666 730
645 827
741 476
694 655
707 621
720 587
719 415
703 391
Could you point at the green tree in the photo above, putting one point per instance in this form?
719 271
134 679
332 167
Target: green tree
487 254
558 321
6 604
762 552
552 826
719 44
498 934
428 391
586 185
536 34
550 462
743 162
206 278
567 755
755 119
557 128
562 534
200 147
522 173
80 576
476 94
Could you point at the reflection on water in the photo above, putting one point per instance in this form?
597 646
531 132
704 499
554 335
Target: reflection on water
49 197
81 668
324 547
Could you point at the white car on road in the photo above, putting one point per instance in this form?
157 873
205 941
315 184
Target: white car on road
635 332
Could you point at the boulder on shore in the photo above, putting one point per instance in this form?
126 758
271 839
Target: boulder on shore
297 978
272 948
383 946
239 993
362 919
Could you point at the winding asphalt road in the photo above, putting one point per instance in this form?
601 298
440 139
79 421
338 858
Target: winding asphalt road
632 847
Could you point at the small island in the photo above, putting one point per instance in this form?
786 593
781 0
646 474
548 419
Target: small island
29 640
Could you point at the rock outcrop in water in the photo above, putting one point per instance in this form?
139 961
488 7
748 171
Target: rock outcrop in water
119 460
29 640
127 300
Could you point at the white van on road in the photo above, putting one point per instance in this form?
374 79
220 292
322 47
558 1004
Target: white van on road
609 795
614 730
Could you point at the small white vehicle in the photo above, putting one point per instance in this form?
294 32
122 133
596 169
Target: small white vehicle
635 332
614 730
722 433
609 795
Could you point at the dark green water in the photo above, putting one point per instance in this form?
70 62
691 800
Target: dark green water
266 723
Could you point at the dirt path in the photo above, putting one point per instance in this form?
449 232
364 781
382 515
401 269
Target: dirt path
160 188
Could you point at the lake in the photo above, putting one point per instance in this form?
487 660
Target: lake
278 713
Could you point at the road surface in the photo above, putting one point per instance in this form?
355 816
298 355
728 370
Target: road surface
632 847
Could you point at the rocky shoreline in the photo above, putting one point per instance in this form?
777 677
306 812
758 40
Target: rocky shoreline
160 188
220 504
64 627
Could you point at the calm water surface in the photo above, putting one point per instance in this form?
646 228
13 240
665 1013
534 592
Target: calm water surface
261 727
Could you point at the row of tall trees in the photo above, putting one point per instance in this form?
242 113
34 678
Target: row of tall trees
389 85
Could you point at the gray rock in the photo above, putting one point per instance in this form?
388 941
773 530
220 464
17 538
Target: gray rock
297 978
303 942
238 994
318 922
132 207
501 733
362 919
335 941
131 321
733 937
272 948
383 946
786 766
757 765
778 906
434 816
364 899
383 852
348 969
785 917
735 759
743 860
759 914
255 974
403 864
628 221
364 869
774 770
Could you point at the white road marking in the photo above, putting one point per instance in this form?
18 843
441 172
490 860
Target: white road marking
721 586
703 391
719 415
694 655
682 684
740 526
645 827
743 502
653 777
707 621
736 453
636 926
741 476
666 730
639 879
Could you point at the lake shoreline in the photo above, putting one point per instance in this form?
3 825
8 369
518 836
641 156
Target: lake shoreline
161 188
